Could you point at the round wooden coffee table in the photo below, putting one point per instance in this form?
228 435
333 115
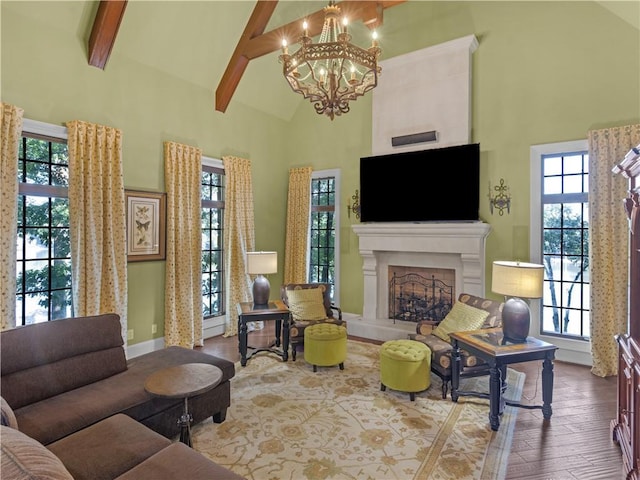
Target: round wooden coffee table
183 381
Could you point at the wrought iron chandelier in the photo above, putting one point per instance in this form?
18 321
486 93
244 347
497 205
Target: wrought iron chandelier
333 71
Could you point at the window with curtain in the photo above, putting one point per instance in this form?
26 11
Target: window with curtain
323 230
212 234
43 270
560 238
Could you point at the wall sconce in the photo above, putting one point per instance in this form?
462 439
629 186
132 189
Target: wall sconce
355 205
501 199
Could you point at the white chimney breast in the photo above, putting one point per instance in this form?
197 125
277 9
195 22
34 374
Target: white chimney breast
429 89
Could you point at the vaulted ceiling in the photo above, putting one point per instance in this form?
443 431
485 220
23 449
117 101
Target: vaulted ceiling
195 40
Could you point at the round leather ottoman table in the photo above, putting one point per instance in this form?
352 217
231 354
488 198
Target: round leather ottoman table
405 366
325 345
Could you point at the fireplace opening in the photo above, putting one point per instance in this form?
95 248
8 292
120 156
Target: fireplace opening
417 294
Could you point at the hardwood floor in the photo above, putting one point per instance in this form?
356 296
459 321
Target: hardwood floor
575 444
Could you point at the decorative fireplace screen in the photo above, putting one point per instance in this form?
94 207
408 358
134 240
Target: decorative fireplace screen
414 297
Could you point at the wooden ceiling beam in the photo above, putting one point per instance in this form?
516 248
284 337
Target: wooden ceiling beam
104 31
254 43
239 61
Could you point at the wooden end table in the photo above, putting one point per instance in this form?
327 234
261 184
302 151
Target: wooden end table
488 344
183 381
249 312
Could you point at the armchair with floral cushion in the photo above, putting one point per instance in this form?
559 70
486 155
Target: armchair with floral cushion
309 304
468 313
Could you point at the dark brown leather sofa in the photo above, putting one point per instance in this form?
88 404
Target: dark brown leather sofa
70 388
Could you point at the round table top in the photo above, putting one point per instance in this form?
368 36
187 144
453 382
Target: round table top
182 381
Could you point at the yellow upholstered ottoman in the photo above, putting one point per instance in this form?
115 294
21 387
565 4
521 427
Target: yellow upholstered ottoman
325 344
405 365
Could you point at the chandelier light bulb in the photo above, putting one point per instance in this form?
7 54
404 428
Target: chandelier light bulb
285 50
345 22
374 38
305 28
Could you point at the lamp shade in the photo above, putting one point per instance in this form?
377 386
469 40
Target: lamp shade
262 263
517 279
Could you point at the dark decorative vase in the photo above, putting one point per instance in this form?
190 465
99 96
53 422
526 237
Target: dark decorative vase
516 318
261 290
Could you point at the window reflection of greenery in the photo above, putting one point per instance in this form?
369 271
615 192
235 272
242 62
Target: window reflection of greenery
44 264
566 245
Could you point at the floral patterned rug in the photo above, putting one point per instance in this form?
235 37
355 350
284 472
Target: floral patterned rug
286 422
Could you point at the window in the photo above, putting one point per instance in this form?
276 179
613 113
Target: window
43 270
564 243
212 235
323 231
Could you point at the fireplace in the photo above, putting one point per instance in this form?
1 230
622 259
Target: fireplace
417 293
459 247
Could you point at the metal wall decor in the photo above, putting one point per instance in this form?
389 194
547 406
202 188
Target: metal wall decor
501 199
355 205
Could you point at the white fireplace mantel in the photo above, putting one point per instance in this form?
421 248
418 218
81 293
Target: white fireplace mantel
458 246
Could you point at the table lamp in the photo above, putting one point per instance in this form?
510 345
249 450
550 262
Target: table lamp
260 264
515 280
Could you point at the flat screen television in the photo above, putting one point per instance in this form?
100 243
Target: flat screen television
436 185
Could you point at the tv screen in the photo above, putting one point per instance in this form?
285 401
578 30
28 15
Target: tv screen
441 184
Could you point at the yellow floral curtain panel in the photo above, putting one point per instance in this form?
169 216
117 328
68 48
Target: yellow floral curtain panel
297 236
239 236
609 235
97 220
183 285
11 125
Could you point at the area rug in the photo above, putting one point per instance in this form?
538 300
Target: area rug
287 422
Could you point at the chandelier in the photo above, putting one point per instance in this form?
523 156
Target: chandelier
333 71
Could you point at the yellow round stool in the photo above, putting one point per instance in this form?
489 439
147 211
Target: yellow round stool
405 365
325 344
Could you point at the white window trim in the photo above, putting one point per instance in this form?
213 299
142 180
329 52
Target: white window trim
569 350
213 326
335 173
42 128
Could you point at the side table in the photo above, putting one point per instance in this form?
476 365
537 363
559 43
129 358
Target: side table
489 345
249 312
183 381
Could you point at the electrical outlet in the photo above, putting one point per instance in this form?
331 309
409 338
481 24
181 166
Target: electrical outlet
154 328
130 334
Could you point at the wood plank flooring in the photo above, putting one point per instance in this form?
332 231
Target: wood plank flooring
575 444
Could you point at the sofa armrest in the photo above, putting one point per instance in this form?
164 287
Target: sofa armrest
425 327
337 309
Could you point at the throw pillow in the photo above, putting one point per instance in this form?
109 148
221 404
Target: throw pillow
23 458
7 417
306 304
462 317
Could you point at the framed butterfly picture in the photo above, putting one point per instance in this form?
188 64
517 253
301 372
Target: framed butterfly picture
146 233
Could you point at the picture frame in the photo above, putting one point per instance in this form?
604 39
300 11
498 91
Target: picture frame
146 225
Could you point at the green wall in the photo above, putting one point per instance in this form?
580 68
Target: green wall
45 71
544 72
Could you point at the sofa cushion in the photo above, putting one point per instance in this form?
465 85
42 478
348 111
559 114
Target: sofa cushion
23 458
460 318
7 417
68 412
63 355
306 304
108 448
178 461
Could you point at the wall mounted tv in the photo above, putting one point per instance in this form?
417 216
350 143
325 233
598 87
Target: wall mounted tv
435 185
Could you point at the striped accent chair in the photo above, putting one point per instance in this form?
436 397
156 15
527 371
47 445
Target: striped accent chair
441 350
330 313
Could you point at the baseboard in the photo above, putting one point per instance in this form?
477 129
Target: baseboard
211 327
378 329
141 348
